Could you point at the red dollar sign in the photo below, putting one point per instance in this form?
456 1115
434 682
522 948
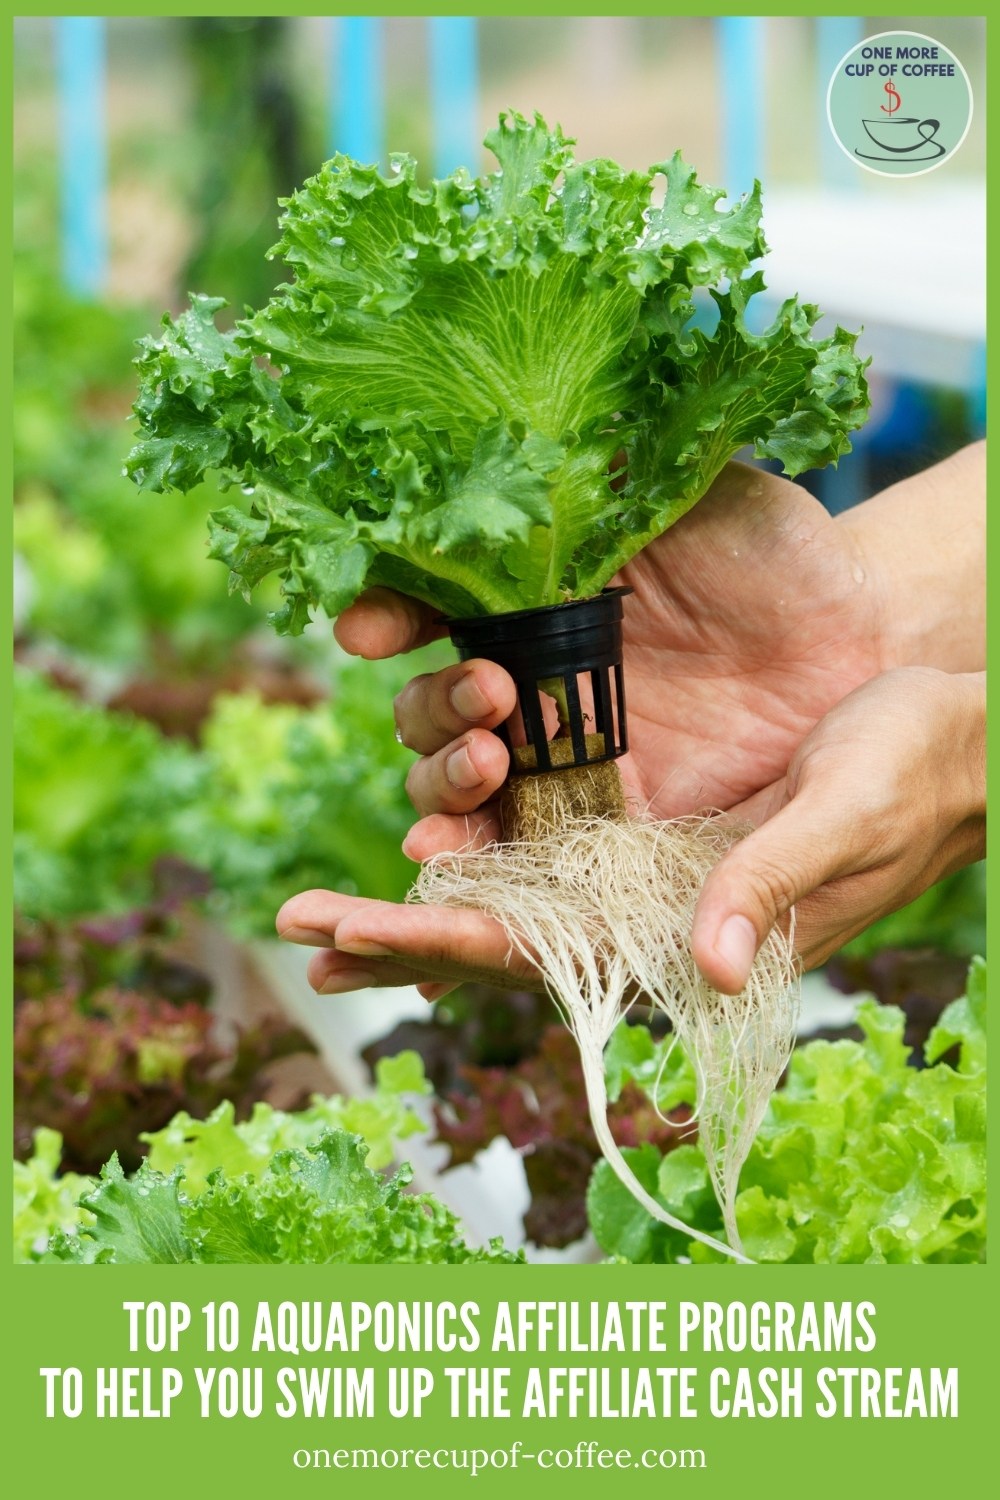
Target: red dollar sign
894 101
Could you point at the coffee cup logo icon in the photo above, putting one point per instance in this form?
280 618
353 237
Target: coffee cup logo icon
899 104
904 135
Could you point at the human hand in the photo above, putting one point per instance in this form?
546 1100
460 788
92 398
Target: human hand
883 798
750 618
711 633
886 796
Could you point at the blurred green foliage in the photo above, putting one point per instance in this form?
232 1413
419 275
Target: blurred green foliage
949 918
94 794
276 800
113 579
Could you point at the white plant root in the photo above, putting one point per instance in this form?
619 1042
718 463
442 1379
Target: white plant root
604 908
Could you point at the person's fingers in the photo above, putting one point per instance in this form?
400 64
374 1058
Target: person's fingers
461 776
381 623
438 706
439 942
444 834
434 991
333 973
809 842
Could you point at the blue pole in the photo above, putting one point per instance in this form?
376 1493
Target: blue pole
80 69
835 36
454 93
741 49
356 88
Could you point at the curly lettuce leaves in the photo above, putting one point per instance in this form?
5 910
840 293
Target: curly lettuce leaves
200 1147
44 1201
278 1188
441 399
319 1206
294 798
860 1158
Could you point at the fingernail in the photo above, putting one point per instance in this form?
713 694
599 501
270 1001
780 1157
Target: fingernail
432 992
346 980
460 771
736 945
468 699
364 948
311 936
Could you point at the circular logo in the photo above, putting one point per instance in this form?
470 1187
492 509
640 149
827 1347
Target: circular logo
899 104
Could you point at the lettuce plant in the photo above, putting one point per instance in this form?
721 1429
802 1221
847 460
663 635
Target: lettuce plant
102 1070
95 796
45 1199
488 393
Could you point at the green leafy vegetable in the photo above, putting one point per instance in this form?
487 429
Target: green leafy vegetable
277 799
860 1158
107 589
200 1147
94 799
319 1206
294 798
921 982
44 1201
277 1186
964 1025
315 1206
437 400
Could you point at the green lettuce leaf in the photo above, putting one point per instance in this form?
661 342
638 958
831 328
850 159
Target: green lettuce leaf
136 1220
196 1151
293 798
963 1024
436 399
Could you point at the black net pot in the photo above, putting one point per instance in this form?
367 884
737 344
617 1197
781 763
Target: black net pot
569 653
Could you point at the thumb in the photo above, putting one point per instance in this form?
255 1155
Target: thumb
759 881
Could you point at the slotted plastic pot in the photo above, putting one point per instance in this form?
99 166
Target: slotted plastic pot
570 651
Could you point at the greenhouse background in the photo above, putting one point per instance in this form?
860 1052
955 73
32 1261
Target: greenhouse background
156 716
